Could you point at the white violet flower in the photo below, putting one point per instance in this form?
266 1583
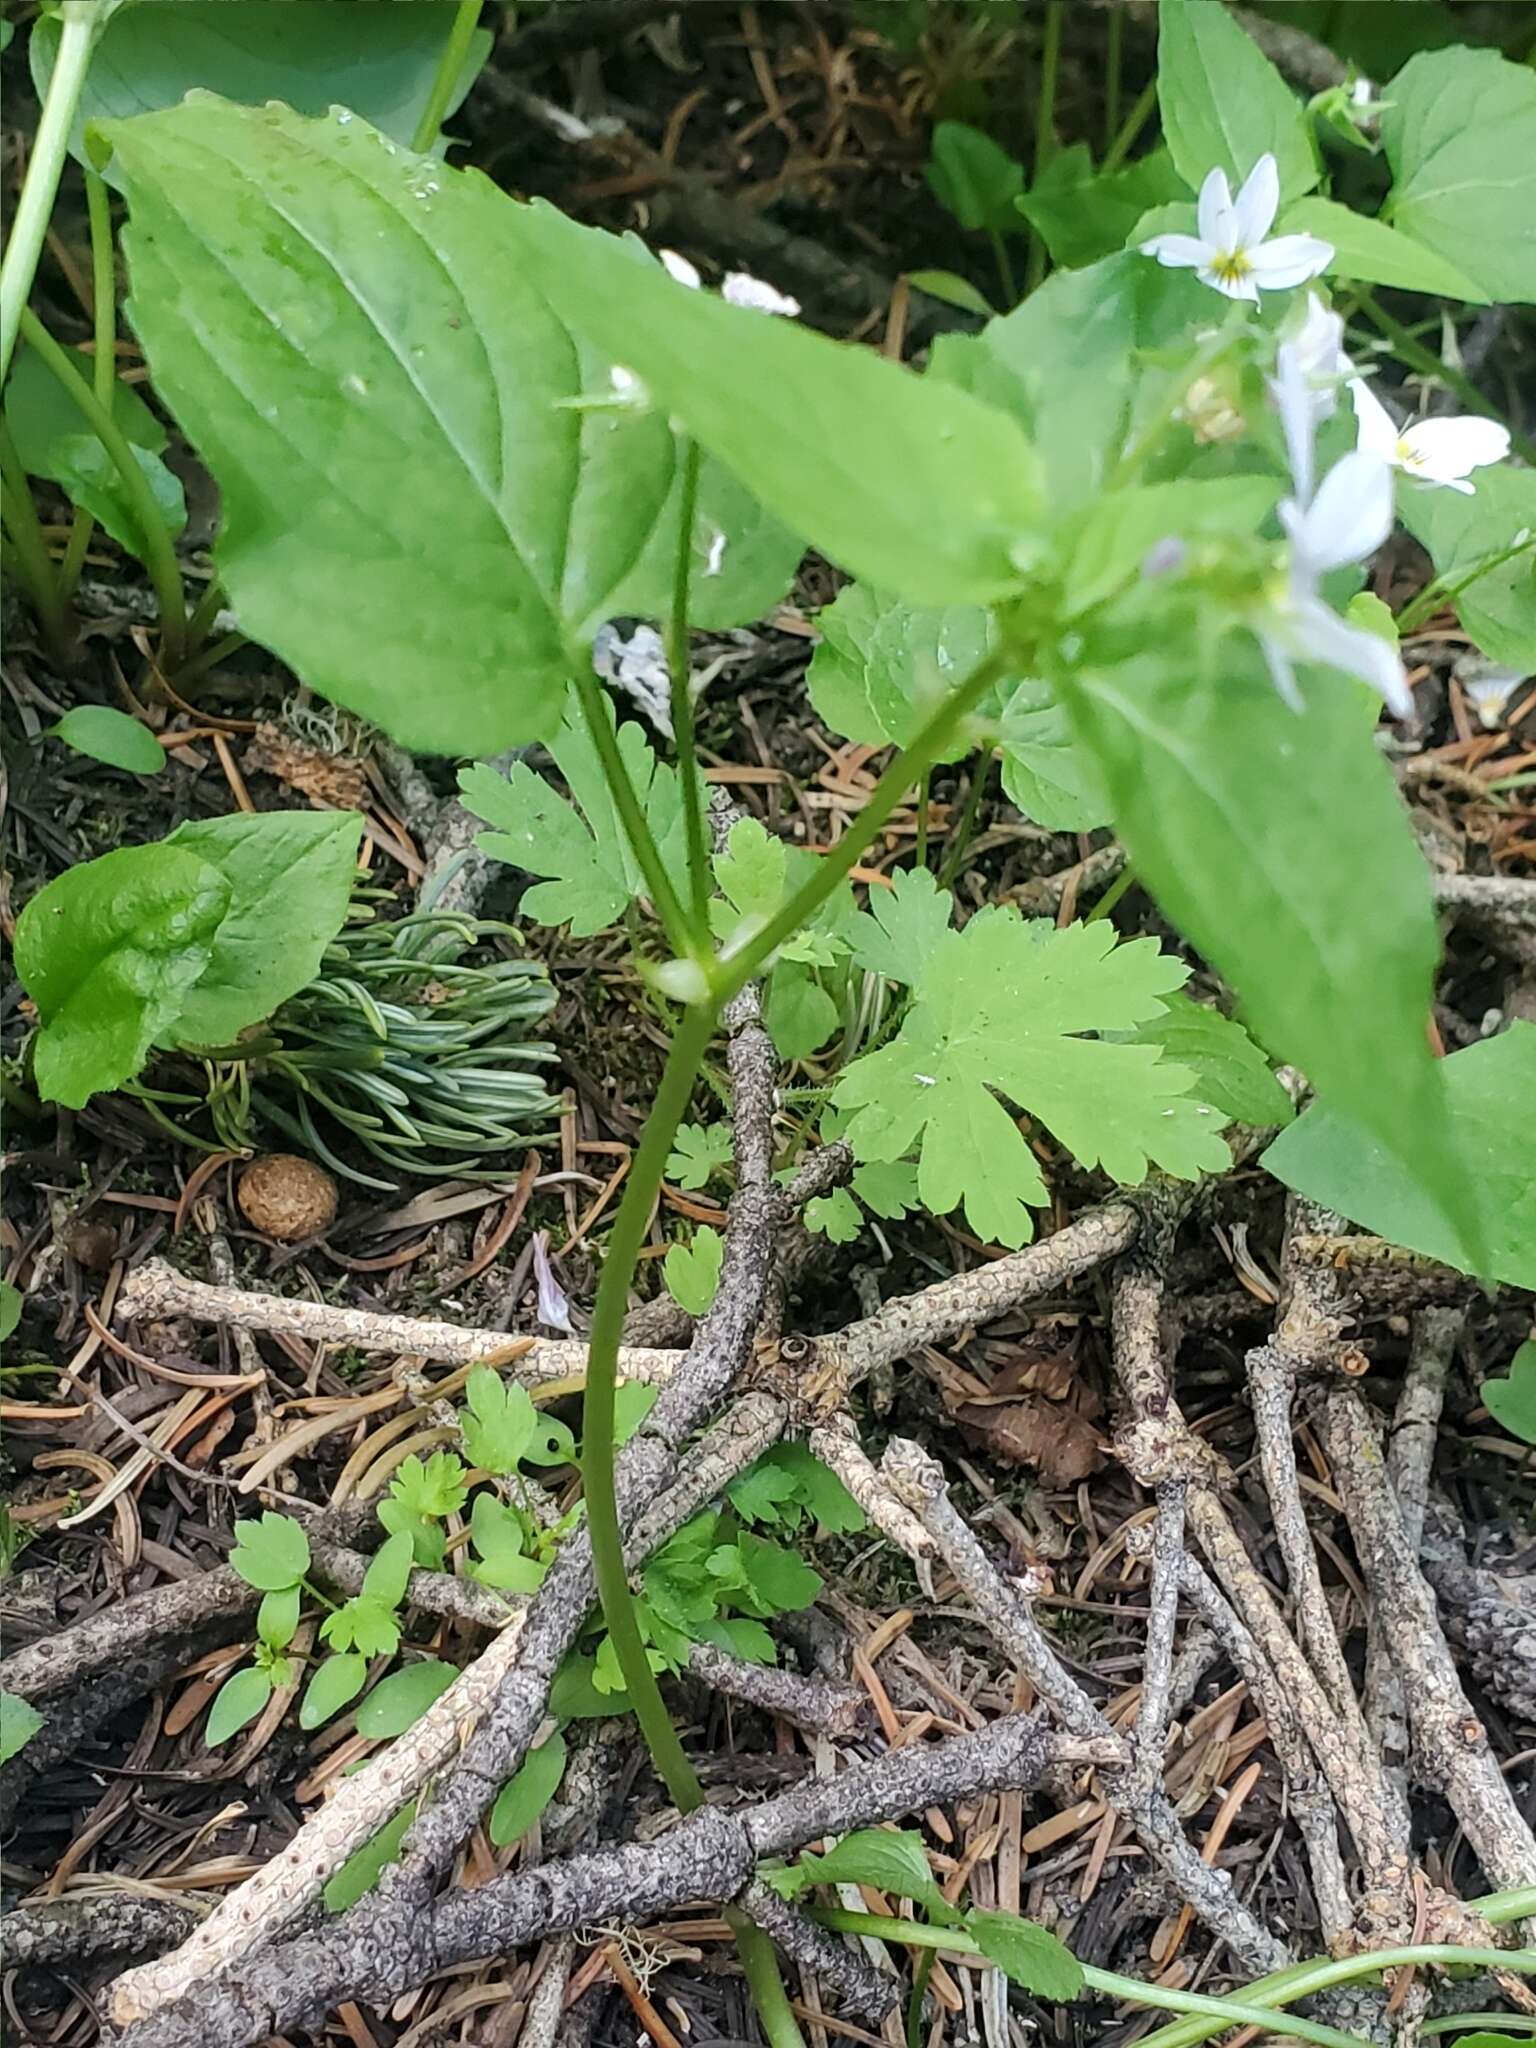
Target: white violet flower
1440 451
1230 252
1344 522
737 288
1309 365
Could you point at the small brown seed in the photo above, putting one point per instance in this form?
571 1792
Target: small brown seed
287 1197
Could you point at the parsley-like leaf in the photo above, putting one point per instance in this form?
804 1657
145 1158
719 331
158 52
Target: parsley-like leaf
362 1624
271 1554
591 876
692 1271
433 1487
500 1421
699 1152
998 1010
897 935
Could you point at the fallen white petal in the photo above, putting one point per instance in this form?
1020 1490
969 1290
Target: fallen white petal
741 289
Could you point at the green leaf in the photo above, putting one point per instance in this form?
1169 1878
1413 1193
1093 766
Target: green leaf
53 440
380 65
1498 605
1460 133
699 1152
633 1400
790 1483
290 876
896 477
337 1681
362 1870
429 1544
1085 363
1030 1956
271 1554
1083 214
1046 774
903 928
692 1271
236 1704
741 562
19 1722
998 1007
1116 533
371 320
386 1577
433 1488
779 1580
1490 1123
974 178
109 951
799 1014
837 1216
499 1534
362 1624
526 1794
952 289
741 1635
1223 103
1511 1401
893 1860
499 1425
1230 1071
751 872
1373 252
102 734
883 665
401 1699
887 1186
580 847
277 1617
1279 846
11 1302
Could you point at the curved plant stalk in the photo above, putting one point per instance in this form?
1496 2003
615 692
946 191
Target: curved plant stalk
449 65
27 555
1218 2013
104 368
658 883
83 21
682 699
159 553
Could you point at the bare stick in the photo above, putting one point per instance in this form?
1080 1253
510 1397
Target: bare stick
815 1704
155 1291
1410 1460
1165 1550
919 1480
1450 1743
710 1855
1316 1816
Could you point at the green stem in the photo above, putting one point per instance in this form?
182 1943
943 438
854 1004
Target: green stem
1229 2012
922 1970
1458 2022
682 698
594 709
82 19
1446 589
733 971
104 367
924 789
1113 37
449 65
1045 128
1124 880
1131 127
209 657
1416 357
684 1060
1004 262
159 554
597 1408
29 560
960 838
204 612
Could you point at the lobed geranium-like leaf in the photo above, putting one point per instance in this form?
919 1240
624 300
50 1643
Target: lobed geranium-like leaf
580 847
271 1553
998 1011
699 1152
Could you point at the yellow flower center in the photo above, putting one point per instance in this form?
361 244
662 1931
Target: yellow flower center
1231 266
1406 457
